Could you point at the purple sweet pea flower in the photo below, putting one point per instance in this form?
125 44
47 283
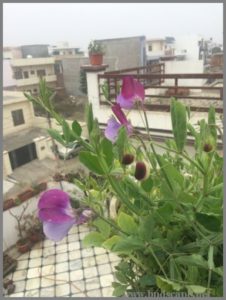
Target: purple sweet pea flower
132 91
113 125
57 215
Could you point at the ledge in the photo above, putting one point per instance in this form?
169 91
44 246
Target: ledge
91 68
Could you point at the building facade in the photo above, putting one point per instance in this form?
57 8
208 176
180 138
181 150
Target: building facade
28 71
22 140
123 53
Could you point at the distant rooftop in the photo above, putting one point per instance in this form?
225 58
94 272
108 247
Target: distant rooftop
32 61
122 38
13 96
8 79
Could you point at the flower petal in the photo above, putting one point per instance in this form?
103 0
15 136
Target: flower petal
127 87
56 215
125 103
111 130
54 198
116 108
139 90
57 232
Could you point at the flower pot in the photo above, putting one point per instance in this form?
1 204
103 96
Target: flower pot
35 237
42 186
8 204
96 59
24 245
26 195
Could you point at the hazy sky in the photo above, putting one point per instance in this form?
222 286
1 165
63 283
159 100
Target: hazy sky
77 23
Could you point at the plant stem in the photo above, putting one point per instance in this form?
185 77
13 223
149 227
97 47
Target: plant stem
137 262
209 278
158 262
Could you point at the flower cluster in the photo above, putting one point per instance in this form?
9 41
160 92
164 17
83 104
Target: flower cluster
132 91
57 214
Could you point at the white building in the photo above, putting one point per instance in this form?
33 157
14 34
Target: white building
28 71
23 140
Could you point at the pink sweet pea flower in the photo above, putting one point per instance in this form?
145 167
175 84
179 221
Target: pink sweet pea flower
57 215
132 91
113 125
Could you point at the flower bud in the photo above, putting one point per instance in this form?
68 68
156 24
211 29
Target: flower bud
127 159
207 147
141 171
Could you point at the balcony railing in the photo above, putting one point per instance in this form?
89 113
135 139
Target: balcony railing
160 93
34 80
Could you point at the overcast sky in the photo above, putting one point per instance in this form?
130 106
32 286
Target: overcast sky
78 23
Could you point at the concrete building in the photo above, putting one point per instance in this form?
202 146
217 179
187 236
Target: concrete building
72 74
34 51
123 53
23 141
27 72
12 53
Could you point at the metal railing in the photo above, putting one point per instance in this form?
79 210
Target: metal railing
155 81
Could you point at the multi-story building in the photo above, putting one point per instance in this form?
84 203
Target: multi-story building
28 71
23 141
122 53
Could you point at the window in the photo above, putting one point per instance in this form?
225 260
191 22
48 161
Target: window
35 91
18 117
32 72
41 73
26 74
18 75
150 47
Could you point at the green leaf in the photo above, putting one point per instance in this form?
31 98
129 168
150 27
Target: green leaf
167 285
107 149
109 243
127 223
66 131
91 161
103 227
121 142
120 277
135 191
127 245
147 184
212 122
146 228
179 123
76 128
196 289
164 213
192 260
89 117
210 221
147 280
93 239
172 174
119 290
56 136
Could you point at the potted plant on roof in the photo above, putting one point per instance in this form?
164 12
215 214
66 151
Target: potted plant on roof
23 244
96 53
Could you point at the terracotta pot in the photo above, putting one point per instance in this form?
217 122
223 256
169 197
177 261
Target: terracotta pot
8 204
96 59
26 195
42 186
35 237
24 245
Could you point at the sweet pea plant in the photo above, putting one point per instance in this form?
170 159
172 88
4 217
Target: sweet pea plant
167 228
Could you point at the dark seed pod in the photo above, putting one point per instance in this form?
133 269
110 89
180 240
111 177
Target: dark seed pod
207 147
127 159
140 171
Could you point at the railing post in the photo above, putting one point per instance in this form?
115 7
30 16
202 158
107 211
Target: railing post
221 94
176 85
92 73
